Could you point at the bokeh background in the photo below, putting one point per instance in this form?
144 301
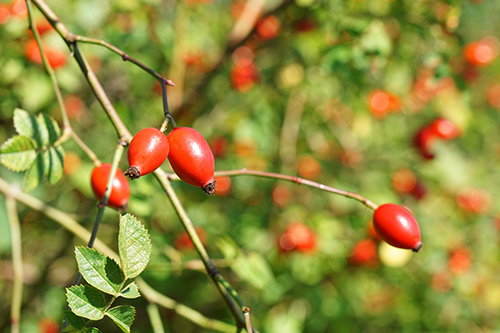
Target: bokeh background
345 93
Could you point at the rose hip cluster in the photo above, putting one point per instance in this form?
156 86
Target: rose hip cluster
186 149
439 129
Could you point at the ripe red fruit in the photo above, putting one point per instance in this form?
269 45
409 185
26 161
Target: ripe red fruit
191 158
397 226
120 191
147 151
299 237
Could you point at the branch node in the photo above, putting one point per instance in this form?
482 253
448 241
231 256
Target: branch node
212 271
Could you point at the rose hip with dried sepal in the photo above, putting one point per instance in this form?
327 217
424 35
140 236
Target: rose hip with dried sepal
148 150
397 226
191 158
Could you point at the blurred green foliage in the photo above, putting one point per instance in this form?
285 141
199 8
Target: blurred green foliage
310 100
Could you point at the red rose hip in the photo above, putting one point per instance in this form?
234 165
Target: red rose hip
397 226
148 150
191 158
120 191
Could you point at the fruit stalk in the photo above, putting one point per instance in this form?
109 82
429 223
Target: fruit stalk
301 181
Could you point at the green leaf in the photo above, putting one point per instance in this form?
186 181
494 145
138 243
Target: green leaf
86 302
25 123
98 270
43 129
134 246
49 129
54 164
92 330
18 153
123 316
130 291
74 320
47 165
34 174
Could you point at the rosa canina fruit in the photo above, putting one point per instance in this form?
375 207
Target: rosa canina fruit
119 193
191 158
397 226
147 151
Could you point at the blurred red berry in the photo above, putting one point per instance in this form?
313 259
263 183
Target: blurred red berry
223 186
4 14
309 167
219 146
18 8
183 242
305 25
423 142
460 260
74 106
381 103
268 27
55 57
493 95
481 53
474 200
444 129
48 325
281 195
364 253
297 237
442 281
243 78
404 181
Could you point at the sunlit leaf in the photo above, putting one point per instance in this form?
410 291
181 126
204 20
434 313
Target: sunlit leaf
130 291
86 302
134 246
123 316
98 270
18 153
